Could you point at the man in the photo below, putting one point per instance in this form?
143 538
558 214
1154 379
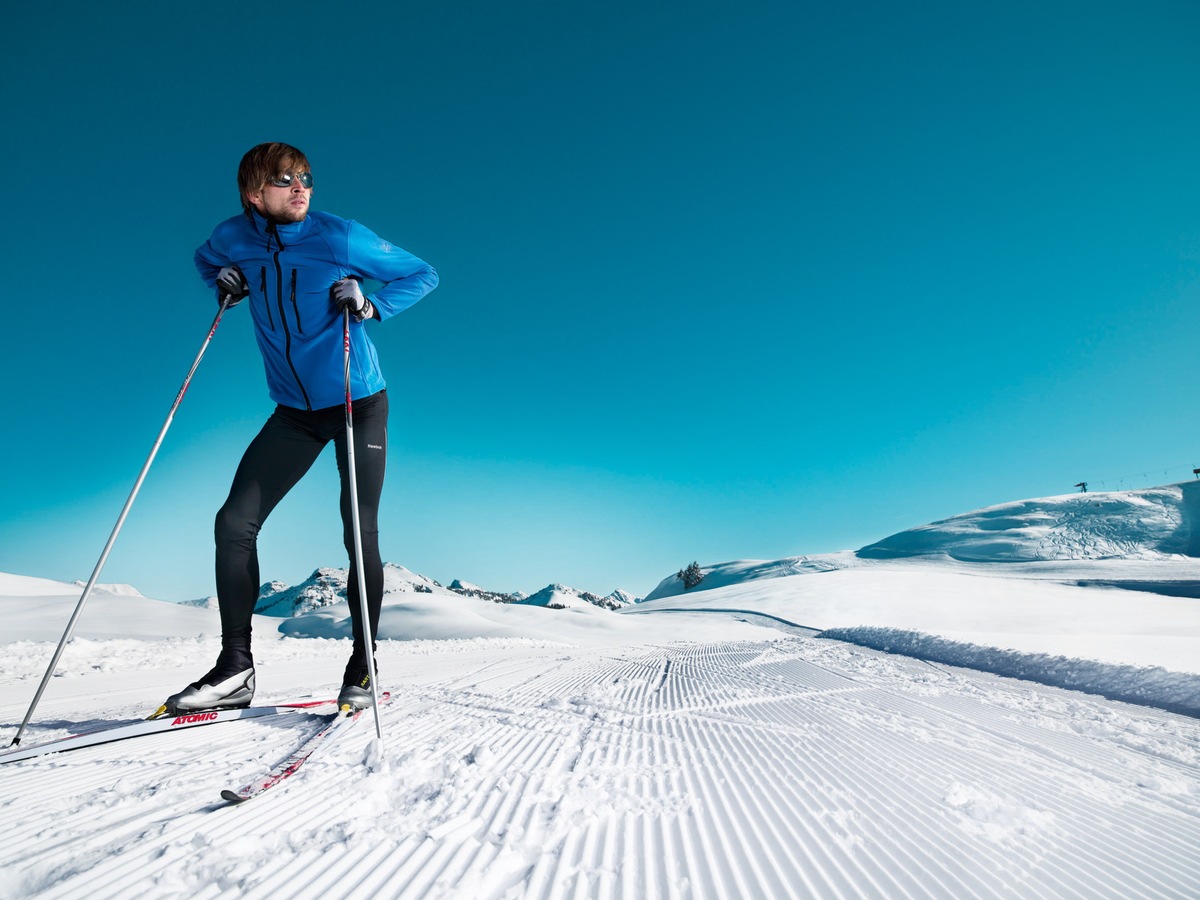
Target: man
299 270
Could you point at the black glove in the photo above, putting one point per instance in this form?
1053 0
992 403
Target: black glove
231 286
347 294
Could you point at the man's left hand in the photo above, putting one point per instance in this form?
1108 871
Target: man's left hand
347 294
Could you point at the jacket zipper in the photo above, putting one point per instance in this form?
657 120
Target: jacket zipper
287 333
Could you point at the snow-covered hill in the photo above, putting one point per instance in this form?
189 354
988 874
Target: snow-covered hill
1142 540
747 570
1153 524
558 596
38 609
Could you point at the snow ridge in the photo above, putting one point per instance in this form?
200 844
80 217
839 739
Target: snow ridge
1146 685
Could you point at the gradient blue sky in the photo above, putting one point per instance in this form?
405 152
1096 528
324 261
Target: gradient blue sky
719 281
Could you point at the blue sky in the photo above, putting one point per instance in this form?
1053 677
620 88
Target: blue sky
719 281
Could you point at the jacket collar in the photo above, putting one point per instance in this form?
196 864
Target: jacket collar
286 231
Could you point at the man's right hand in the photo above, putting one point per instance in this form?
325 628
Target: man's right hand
231 286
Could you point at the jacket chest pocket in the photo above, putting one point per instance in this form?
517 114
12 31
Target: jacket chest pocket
266 300
290 289
296 306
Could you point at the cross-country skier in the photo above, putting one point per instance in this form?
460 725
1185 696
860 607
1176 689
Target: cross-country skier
300 269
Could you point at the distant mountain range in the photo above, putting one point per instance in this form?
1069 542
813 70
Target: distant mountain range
327 587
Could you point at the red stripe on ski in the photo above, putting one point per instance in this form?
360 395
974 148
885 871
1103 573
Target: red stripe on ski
298 757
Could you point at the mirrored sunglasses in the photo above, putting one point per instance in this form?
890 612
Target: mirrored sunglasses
305 178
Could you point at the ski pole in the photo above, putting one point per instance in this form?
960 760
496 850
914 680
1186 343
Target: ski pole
364 611
112 538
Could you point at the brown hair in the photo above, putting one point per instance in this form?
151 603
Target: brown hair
264 162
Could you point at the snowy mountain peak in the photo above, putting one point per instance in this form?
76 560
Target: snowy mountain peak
466 589
327 587
559 596
556 596
398 578
324 587
622 598
1155 523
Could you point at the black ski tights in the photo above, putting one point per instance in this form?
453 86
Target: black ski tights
276 459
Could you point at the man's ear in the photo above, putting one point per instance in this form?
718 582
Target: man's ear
256 200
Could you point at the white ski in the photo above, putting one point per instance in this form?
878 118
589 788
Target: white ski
110 733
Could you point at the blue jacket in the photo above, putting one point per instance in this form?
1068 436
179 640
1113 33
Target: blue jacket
290 269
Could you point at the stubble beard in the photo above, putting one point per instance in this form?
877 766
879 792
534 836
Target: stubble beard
285 213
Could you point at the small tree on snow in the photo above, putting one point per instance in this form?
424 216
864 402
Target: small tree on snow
691 576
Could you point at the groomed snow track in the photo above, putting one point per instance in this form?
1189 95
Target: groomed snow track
792 767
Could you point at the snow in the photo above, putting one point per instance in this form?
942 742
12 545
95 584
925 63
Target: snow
1151 685
1001 704
37 609
1149 524
1028 611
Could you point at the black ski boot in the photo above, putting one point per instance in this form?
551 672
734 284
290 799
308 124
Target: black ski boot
229 685
356 685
